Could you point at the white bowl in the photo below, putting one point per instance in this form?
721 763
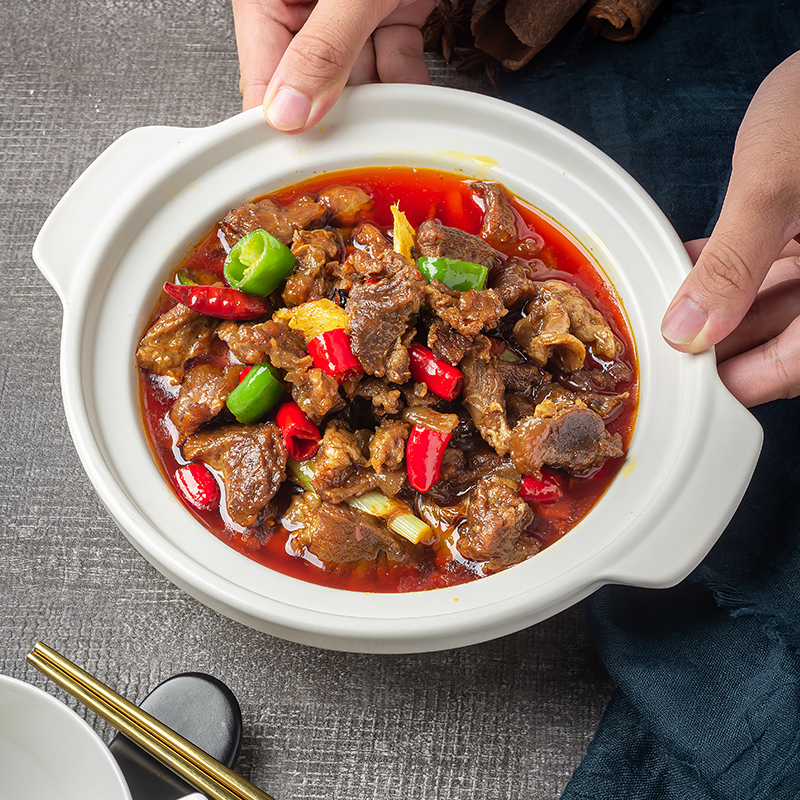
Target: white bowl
47 751
134 213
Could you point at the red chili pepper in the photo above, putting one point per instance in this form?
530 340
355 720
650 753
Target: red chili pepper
244 373
300 434
424 451
547 490
197 486
331 352
222 302
440 377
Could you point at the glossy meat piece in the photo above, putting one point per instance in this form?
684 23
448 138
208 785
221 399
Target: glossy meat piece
561 322
523 377
515 282
499 221
447 343
176 336
345 204
252 460
385 399
338 534
435 240
387 446
340 470
281 221
483 396
312 277
544 333
316 392
369 238
563 434
467 312
497 519
381 314
203 393
271 340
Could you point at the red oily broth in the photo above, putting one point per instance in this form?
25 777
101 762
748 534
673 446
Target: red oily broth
421 194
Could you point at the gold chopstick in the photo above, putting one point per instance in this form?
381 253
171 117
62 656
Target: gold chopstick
185 759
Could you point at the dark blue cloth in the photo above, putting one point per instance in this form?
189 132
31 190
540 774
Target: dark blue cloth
708 704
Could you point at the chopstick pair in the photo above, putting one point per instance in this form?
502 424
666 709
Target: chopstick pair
176 753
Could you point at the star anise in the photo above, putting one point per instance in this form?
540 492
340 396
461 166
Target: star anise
475 62
448 26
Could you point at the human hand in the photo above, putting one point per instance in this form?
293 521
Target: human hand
296 56
743 294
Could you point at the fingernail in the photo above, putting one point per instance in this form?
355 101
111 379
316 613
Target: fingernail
683 322
288 110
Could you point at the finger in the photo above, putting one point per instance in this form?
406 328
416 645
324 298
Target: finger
364 70
261 39
787 267
770 372
399 55
772 312
315 67
694 248
758 217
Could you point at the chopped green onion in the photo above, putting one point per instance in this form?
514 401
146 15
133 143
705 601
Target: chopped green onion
397 515
258 263
257 393
460 275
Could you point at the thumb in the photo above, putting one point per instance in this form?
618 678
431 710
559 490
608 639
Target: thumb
316 65
759 216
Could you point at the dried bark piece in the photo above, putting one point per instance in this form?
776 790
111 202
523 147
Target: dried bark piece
514 31
620 20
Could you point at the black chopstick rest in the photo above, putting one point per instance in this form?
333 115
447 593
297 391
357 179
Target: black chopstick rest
200 708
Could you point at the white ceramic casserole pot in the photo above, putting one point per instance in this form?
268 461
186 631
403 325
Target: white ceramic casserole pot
130 218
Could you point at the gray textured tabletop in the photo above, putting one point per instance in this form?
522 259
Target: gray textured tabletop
509 718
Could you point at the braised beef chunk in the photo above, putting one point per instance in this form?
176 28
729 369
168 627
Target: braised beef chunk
499 221
483 396
316 392
312 278
381 314
271 340
386 400
345 203
497 520
387 447
252 460
339 534
435 241
566 435
560 323
516 282
368 237
281 221
203 393
543 333
520 377
340 469
468 312
447 343
176 336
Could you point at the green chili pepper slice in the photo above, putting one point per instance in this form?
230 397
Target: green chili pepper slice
460 275
257 263
258 392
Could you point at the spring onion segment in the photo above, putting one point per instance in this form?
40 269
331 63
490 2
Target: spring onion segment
397 515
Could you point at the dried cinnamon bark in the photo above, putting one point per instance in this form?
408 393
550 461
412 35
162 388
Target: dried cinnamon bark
620 20
514 31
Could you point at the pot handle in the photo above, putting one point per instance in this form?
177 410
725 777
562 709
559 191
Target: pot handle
87 202
689 527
